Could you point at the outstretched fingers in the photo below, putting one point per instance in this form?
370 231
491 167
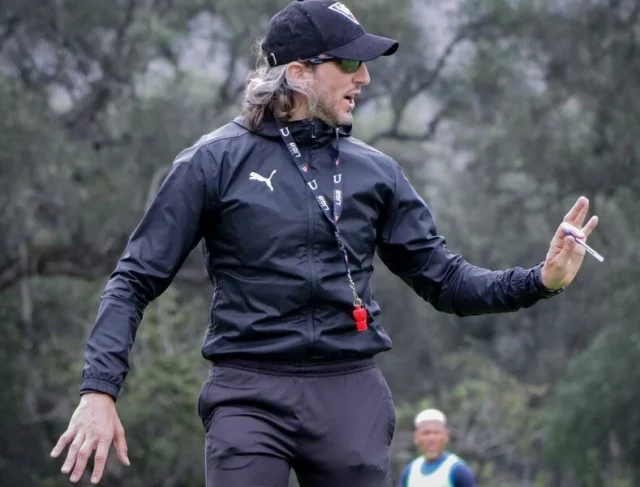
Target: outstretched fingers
72 454
120 443
578 212
67 437
100 460
84 453
590 226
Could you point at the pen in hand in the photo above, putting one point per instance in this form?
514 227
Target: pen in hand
586 247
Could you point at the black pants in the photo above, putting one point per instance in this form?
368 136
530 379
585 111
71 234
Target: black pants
332 423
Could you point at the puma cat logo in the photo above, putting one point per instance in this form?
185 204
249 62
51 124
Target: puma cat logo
254 176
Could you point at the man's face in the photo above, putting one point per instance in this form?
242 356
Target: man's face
336 92
432 438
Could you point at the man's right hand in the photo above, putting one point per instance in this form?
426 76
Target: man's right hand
93 426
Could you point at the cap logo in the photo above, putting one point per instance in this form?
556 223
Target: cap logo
343 10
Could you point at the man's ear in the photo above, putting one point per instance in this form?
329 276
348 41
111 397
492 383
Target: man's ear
297 71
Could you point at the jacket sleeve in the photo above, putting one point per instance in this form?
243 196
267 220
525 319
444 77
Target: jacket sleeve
462 476
409 245
403 481
169 230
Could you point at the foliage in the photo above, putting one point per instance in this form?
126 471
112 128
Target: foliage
595 425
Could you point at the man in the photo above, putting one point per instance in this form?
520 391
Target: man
436 467
291 210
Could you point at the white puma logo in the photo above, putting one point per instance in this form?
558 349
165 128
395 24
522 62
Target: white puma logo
254 176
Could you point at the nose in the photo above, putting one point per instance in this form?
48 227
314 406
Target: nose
361 76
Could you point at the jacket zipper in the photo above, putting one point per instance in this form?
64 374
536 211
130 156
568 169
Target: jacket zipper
312 268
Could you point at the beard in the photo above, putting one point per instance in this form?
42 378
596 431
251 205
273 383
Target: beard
325 110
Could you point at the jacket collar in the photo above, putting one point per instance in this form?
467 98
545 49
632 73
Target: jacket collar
308 133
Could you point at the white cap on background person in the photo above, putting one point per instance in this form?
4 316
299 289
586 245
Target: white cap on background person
430 415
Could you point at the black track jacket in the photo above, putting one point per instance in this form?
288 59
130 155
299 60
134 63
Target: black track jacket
280 287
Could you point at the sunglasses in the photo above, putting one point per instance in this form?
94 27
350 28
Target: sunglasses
347 65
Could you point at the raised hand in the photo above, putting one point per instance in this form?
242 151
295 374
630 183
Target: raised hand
565 256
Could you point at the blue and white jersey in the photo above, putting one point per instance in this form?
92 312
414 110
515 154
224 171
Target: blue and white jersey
448 471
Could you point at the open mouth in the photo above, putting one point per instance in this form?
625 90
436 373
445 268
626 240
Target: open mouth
351 99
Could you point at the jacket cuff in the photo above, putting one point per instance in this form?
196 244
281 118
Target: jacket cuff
94 385
541 289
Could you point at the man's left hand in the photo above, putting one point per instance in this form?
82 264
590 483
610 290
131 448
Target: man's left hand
565 256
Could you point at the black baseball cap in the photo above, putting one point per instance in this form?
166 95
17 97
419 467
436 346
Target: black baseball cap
308 28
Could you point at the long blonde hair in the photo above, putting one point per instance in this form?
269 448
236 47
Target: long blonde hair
269 88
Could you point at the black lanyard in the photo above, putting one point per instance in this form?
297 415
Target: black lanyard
359 313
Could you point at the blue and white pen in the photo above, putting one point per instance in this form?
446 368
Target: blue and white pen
586 247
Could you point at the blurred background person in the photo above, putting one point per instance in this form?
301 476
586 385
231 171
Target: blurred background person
435 467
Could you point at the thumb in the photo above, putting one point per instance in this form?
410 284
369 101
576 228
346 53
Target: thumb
120 443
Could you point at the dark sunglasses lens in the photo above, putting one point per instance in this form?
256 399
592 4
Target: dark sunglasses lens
349 66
